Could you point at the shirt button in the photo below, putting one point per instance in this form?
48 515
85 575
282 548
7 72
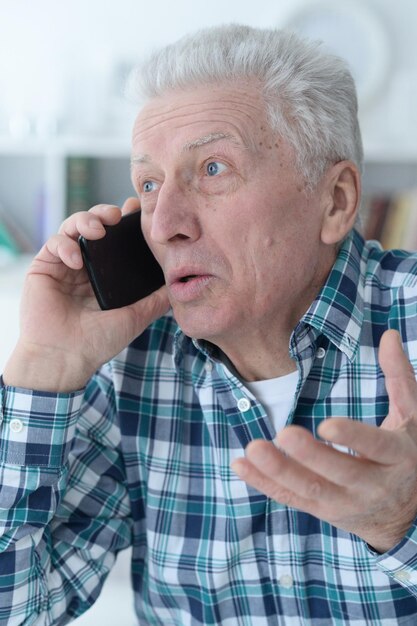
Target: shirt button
286 581
243 404
208 367
16 426
321 352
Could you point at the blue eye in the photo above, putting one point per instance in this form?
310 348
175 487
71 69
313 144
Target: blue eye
214 168
148 186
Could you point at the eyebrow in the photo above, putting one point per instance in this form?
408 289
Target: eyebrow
210 138
140 158
190 145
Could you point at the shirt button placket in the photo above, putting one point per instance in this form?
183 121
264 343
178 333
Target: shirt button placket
243 404
321 353
16 426
286 581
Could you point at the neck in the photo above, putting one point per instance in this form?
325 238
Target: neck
258 362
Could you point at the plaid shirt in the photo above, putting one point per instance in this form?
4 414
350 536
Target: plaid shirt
142 458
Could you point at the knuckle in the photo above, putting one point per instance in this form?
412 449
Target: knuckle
403 417
314 490
67 222
54 243
73 224
283 496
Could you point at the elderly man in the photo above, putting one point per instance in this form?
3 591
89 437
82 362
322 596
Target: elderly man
256 446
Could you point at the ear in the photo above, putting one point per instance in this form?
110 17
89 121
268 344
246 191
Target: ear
341 197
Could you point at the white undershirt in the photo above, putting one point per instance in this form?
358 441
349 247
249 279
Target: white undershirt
276 396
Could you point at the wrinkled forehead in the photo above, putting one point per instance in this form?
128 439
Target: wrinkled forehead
236 112
193 144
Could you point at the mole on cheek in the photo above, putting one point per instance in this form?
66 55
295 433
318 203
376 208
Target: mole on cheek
269 242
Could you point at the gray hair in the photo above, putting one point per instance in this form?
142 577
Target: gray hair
310 95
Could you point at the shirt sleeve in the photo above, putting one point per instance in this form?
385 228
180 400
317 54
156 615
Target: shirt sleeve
400 563
64 508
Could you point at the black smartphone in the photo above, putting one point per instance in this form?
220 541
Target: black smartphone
121 266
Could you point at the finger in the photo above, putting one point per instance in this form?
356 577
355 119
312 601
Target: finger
90 223
61 248
336 466
375 444
282 478
130 205
400 381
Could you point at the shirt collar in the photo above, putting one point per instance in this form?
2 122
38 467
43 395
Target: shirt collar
337 311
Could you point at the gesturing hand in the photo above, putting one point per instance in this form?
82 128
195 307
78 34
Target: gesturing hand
373 493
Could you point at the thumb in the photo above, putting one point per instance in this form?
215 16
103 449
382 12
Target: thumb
131 320
400 381
149 309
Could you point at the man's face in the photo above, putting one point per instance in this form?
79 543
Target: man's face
226 214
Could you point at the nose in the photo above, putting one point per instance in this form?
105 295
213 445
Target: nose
175 215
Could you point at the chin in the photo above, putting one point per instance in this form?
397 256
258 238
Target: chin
201 324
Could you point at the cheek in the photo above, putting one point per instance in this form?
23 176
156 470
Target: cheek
274 260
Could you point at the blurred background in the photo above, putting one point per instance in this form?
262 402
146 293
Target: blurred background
65 124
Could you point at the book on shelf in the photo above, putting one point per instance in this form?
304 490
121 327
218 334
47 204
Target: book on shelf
392 220
78 184
375 210
8 247
13 239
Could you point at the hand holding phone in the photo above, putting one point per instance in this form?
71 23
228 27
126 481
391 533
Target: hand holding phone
121 266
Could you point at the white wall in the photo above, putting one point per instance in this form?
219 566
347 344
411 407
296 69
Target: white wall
51 51
59 59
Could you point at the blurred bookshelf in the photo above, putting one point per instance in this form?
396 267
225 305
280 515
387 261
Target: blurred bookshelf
391 219
43 181
389 199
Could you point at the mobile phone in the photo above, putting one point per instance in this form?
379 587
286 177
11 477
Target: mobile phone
121 266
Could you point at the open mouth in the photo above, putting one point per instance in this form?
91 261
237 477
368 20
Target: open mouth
185 279
188 287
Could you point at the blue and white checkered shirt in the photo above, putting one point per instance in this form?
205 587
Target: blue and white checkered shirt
142 458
